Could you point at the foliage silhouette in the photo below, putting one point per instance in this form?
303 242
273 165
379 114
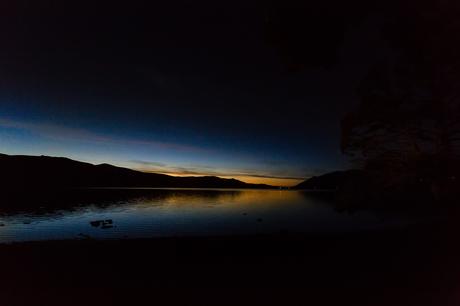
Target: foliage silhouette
406 129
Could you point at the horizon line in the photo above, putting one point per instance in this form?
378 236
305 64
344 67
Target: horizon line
243 177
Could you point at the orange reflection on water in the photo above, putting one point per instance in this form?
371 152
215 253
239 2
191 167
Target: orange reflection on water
189 199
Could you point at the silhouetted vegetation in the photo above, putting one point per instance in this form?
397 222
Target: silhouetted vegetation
405 132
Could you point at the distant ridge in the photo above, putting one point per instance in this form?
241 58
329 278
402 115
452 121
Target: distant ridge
329 181
24 172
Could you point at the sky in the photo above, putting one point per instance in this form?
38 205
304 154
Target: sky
250 90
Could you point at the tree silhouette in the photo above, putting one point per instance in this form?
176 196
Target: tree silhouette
407 124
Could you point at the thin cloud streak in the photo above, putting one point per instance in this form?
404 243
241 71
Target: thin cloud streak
156 167
63 133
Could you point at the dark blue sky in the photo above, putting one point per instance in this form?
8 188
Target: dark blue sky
247 90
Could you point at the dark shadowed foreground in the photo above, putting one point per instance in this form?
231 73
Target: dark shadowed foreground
418 266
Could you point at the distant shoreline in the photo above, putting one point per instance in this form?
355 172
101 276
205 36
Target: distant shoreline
23 172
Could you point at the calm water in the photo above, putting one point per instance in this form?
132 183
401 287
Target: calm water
136 213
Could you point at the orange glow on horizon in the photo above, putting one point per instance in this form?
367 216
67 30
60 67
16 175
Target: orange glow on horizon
273 181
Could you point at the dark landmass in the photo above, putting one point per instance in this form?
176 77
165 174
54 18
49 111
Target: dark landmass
371 190
412 266
21 172
329 181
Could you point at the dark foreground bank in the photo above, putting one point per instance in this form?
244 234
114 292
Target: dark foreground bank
418 266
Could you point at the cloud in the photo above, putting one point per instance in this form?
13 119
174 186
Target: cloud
64 133
202 170
148 163
275 176
152 166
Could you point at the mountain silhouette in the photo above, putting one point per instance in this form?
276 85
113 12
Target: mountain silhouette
24 172
329 181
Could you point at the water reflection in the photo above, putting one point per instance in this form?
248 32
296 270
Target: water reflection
136 213
54 202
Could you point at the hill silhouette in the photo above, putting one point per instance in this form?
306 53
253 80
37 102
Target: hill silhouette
329 181
24 172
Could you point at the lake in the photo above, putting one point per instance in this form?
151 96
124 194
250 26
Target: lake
145 213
